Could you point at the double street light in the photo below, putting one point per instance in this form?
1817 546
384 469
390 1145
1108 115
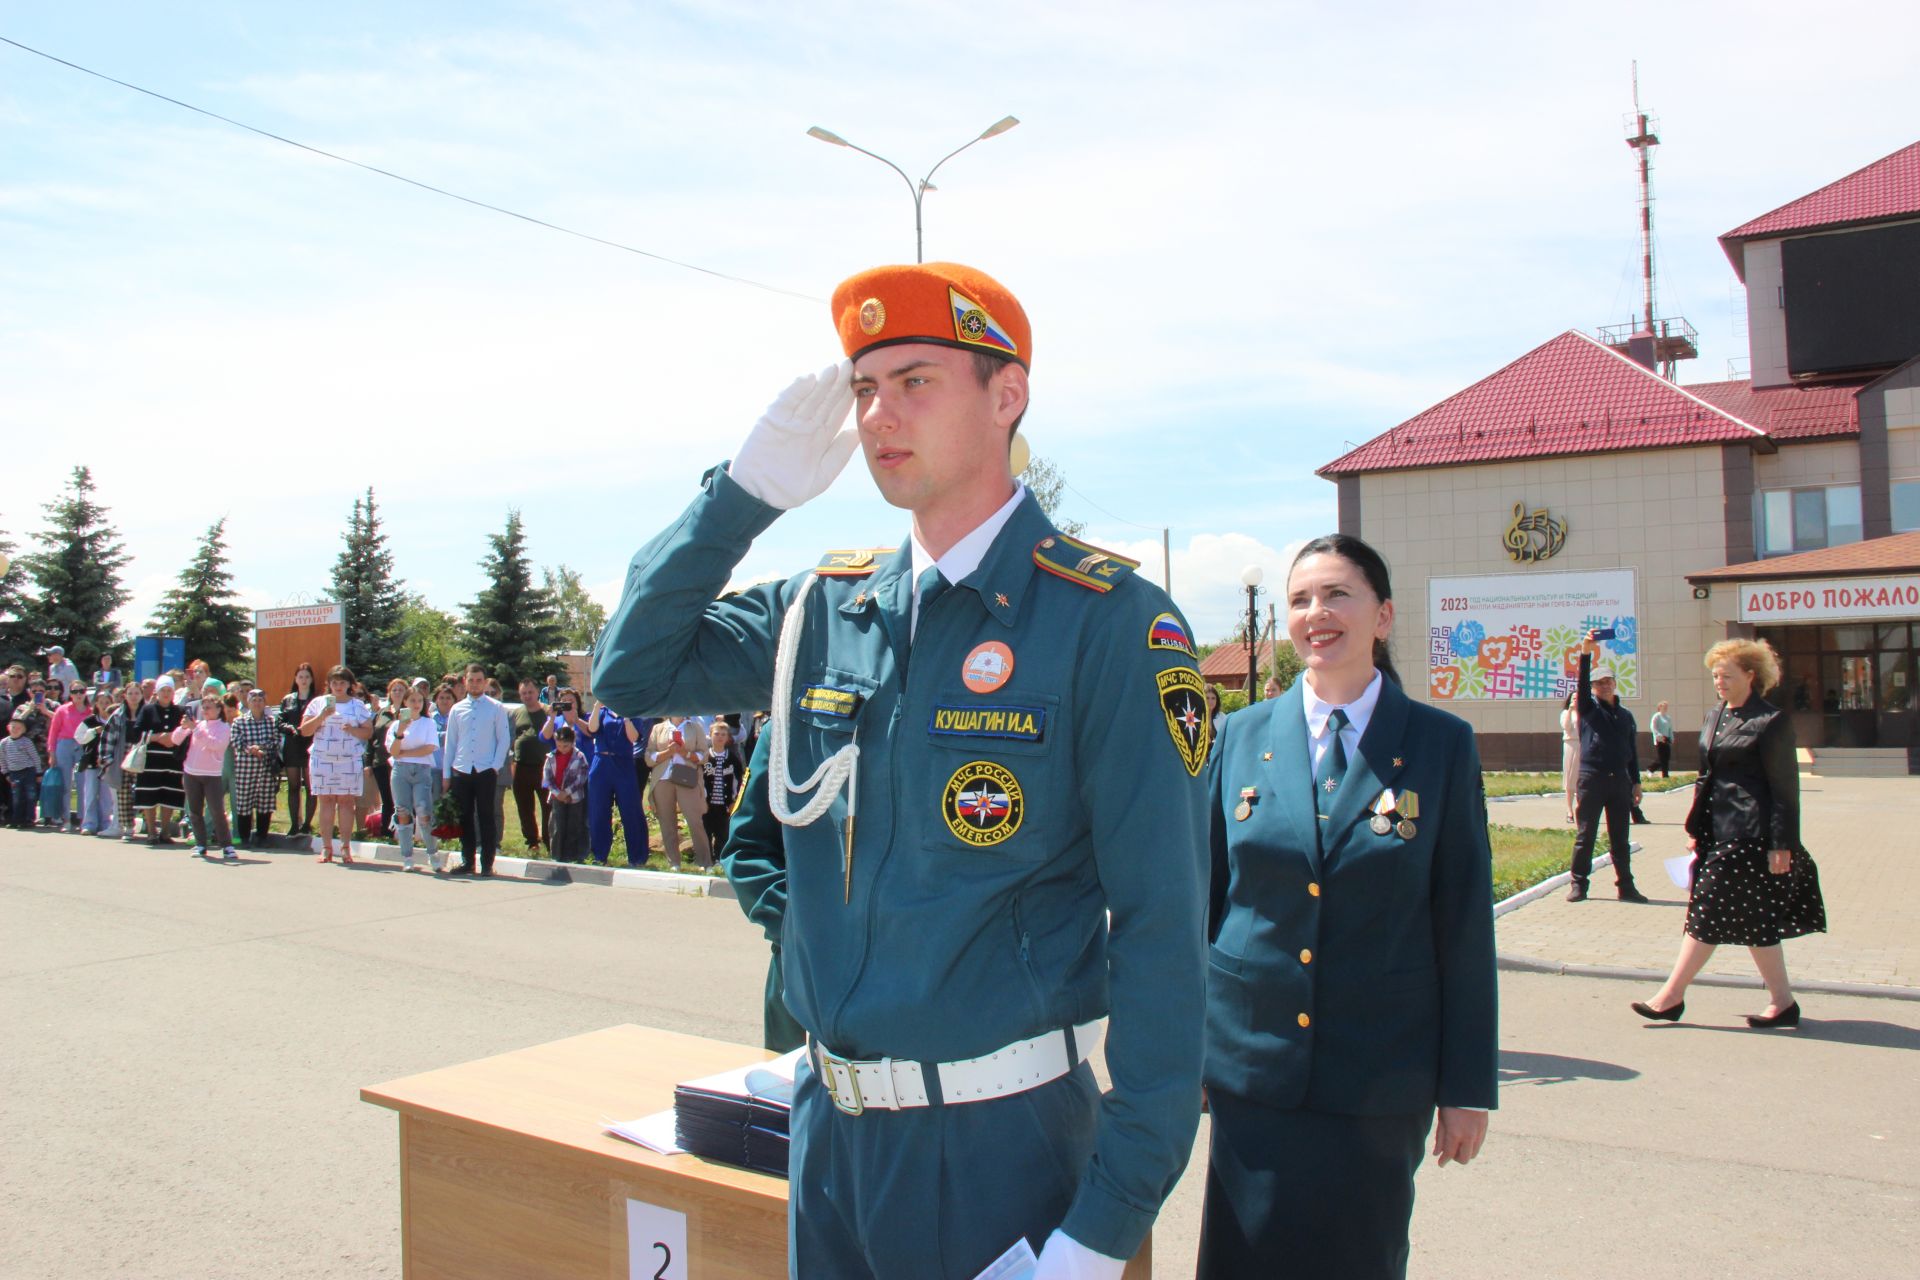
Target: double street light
917 190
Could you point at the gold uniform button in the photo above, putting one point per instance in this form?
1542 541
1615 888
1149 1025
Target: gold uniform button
1305 1021
1306 957
1314 889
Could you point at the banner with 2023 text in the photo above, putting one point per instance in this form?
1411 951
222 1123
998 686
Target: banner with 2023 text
1517 635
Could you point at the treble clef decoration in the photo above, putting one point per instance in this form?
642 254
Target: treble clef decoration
1533 536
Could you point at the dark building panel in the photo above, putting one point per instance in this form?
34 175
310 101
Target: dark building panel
1853 300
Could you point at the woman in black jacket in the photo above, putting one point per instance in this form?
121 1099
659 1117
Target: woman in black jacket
1753 884
293 750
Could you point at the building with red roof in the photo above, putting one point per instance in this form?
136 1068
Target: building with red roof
1577 488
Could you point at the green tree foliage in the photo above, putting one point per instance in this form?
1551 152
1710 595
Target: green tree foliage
76 576
17 640
1286 665
202 610
1048 484
581 616
430 640
513 628
371 601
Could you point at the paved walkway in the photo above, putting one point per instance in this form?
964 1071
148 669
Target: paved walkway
1863 832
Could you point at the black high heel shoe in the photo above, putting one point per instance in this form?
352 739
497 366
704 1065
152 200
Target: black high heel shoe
1652 1014
1787 1017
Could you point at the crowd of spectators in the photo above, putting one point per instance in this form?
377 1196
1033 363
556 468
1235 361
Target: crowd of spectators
186 756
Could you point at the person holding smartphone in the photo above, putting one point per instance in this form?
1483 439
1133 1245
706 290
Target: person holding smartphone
1609 774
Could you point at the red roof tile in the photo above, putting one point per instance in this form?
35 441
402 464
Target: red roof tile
1899 553
1568 396
1887 188
1787 413
1228 663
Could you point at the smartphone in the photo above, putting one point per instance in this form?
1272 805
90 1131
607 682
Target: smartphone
1605 633
329 702
406 714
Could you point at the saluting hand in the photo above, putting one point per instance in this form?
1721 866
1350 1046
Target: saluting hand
1458 1134
800 445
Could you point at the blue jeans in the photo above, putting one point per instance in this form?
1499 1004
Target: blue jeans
55 799
96 801
25 785
413 793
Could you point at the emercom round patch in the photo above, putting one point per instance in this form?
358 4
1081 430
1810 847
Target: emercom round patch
982 803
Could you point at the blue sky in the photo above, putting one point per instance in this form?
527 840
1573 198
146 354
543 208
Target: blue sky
1247 235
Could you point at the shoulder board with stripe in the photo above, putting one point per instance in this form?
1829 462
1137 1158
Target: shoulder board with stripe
852 564
1082 562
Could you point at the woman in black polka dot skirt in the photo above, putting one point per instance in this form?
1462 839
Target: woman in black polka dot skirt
1753 885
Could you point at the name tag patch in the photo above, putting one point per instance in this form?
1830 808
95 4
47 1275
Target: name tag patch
1017 724
830 700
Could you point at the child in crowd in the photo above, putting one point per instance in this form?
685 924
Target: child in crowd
412 740
21 760
565 779
723 774
206 788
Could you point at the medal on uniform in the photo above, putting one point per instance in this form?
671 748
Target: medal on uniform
1409 807
1244 809
1381 823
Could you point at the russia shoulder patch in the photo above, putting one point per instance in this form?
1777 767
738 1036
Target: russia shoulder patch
851 564
1168 632
1082 562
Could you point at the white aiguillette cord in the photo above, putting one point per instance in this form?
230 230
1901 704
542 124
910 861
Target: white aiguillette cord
836 771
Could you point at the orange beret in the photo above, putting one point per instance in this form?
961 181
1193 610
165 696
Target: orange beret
939 302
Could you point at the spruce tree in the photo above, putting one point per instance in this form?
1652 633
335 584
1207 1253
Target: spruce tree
76 577
202 610
372 605
18 643
513 628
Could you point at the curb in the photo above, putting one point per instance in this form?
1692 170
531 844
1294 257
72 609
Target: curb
1536 892
1532 964
544 871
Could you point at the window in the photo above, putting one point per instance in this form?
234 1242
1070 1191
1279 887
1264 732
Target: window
1906 505
1808 519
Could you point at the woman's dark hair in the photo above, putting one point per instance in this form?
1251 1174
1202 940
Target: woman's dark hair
341 672
293 685
1372 567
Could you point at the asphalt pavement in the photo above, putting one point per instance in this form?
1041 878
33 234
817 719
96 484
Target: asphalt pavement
183 1043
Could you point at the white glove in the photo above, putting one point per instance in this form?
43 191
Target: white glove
800 445
1065 1258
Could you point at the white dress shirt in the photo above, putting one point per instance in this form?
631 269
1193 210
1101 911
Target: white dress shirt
964 556
1320 714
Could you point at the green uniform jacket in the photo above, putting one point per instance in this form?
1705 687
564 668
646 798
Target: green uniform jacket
989 849
1351 972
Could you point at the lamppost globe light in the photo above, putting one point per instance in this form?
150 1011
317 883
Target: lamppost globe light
1251 575
1019 455
6 563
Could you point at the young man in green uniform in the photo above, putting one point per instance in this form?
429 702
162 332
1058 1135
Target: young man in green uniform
985 755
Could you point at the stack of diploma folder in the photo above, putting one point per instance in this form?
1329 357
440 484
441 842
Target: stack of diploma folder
739 1116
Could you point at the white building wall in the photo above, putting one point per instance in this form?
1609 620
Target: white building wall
1829 462
1766 318
1660 512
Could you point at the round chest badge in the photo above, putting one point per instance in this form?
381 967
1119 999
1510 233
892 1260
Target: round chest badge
982 803
989 666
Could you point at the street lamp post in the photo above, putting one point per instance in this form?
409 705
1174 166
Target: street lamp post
1251 576
917 190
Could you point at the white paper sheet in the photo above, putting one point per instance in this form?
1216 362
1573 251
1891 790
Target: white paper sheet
1016 1263
654 1132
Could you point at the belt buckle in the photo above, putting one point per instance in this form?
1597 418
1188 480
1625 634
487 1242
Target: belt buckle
832 1066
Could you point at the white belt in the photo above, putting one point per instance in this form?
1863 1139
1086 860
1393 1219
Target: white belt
894 1084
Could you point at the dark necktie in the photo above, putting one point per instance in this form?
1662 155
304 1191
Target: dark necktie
932 586
1333 765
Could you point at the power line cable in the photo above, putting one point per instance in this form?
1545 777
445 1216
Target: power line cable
412 182
1155 528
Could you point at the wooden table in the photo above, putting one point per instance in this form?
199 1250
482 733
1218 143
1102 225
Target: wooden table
506 1170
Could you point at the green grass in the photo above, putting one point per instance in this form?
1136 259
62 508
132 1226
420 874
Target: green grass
1551 784
1524 856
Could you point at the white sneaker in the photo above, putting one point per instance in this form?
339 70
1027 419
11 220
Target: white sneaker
112 833
199 851
228 855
